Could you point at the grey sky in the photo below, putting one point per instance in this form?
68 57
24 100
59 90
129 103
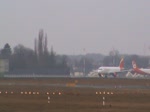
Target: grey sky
72 25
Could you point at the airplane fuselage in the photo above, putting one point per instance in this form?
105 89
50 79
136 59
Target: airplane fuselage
142 71
108 70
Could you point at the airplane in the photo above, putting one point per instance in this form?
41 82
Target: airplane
142 71
104 71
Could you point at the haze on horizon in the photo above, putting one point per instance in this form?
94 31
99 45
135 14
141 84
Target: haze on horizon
72 25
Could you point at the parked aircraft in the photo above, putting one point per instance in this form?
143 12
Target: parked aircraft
104 71
142 71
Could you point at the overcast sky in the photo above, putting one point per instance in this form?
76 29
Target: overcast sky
72 25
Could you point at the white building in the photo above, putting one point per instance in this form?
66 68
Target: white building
4 65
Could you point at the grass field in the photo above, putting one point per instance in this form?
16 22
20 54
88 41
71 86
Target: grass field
35 95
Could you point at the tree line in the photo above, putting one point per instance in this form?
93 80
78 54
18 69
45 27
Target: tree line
42 61
39 61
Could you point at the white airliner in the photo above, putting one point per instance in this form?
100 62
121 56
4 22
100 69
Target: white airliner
141 71
104 71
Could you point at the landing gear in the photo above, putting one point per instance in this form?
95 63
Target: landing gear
102 75
114 75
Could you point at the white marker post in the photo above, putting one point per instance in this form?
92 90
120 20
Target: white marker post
48 98
103 101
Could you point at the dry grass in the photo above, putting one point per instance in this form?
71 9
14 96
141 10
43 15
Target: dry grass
72 99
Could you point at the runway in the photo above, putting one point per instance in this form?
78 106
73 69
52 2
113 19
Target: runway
69 82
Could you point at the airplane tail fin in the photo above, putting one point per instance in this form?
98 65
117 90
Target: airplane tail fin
121 65
134 65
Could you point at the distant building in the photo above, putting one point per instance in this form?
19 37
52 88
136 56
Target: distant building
4 65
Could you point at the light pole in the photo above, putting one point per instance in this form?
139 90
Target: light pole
84 62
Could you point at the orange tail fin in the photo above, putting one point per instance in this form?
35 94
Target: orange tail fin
121 65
